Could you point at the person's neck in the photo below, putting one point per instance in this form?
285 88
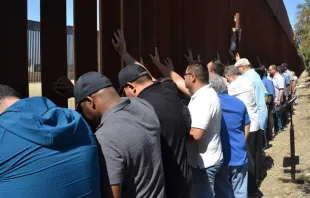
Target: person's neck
197 87
6 103
109 105
247 69
144 86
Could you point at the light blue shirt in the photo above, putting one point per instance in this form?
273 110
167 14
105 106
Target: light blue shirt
259 90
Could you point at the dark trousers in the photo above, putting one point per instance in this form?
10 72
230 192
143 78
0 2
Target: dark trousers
255 159
270 123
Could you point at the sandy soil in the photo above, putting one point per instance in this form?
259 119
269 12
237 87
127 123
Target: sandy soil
277 184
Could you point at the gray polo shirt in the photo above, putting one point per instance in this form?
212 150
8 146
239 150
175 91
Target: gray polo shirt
129 136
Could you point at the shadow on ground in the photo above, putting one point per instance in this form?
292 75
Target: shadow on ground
302 182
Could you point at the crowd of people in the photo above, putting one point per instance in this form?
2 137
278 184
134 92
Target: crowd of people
199 135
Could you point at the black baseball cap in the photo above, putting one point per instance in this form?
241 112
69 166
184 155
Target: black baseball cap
88 84
130 73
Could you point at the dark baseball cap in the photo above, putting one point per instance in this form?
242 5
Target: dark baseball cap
130 73
89 84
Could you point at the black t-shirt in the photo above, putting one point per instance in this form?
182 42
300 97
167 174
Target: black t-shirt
175 122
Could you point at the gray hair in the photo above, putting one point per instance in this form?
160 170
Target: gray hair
218 84
231 71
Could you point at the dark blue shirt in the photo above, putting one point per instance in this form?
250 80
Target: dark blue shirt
235 117
269 86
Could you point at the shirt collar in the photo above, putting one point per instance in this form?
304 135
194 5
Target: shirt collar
200 90
275 76
148 89
124 102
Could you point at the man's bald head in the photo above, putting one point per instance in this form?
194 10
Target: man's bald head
94 106
272 70
8 97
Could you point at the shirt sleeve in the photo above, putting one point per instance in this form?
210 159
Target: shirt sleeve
114 161
291 76
281 82
201 112
247 120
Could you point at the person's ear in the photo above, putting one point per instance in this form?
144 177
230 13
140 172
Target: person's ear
132 87
194 78
90 102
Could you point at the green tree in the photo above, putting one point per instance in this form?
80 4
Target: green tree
302 31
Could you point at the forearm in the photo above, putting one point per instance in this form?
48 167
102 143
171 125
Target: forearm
280 95
290 89
128 59
268 99
164 70
177 79
246 131
116 190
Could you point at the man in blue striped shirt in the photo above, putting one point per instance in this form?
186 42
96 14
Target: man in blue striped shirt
244 67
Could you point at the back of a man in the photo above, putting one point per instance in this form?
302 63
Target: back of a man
260 92
129 136
243 89
47 152
234 121
175 121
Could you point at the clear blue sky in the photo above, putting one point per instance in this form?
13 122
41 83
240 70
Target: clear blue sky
291 9
34 10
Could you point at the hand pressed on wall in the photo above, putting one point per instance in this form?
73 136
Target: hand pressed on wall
237 57
119 43
155 59
169 64
189 58
63 87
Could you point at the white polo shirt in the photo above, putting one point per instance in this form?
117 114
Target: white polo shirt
243 89
278 83
206 113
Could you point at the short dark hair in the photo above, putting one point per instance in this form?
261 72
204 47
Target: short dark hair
285 65
261 71
282 69
143 79
6 91
218 67
200 70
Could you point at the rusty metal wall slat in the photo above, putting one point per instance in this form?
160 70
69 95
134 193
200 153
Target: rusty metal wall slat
148 36
109 22
177 36
53 42
163 27
85 36
13 48
131 27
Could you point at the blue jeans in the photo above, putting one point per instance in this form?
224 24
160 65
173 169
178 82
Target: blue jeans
232 182
277 120
203 181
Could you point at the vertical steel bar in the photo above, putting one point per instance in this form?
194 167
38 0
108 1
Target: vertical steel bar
148 29
131 25
13 48
53 47
85 36
292 146
109 22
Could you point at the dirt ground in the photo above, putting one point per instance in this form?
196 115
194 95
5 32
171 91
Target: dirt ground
277 184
